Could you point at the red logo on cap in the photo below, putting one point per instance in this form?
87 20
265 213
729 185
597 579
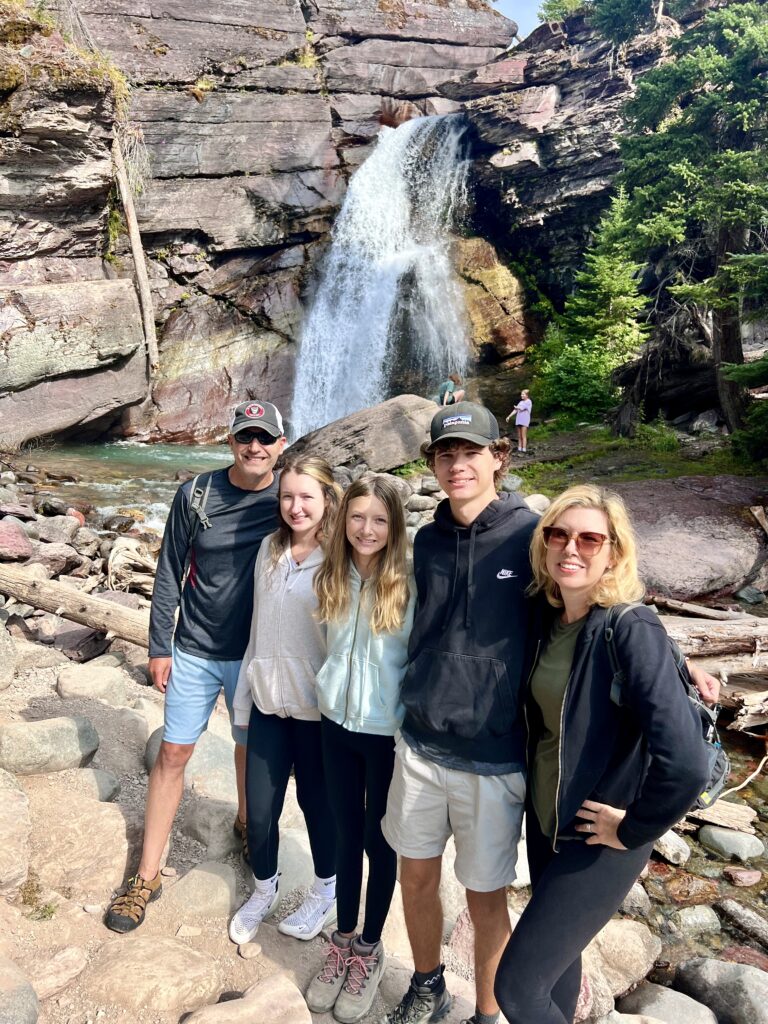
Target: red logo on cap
254 411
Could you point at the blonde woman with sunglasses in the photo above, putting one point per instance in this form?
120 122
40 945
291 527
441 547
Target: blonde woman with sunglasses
604 780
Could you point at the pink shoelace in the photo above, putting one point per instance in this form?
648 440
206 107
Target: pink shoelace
335 963
360 968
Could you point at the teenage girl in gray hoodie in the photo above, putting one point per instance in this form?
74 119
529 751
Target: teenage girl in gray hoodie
367 600
276 699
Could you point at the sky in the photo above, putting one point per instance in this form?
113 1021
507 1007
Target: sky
521 11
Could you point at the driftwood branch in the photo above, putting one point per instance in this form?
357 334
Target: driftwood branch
139 260
747 635
86 609
700 611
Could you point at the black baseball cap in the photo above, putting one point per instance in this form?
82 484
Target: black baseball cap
463 421
255 415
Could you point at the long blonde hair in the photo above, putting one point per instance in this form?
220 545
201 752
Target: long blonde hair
387 590
620 583
318 469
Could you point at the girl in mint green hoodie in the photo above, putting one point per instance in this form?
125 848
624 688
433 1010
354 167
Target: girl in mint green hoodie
366 599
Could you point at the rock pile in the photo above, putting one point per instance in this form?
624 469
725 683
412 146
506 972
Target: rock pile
76 744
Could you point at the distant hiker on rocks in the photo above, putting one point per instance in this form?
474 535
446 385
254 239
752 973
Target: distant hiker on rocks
276 698
450 391
522 414
606 777
215 528
367 600
461 754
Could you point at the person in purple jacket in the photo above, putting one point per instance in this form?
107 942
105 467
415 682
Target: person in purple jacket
522 414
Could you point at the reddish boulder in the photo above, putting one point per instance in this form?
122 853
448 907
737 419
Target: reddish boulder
15 545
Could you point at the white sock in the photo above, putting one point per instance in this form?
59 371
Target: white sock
325 887
266 885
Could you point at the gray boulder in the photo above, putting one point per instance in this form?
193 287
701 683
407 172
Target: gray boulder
665 1004
736 993
15 826
35 748
210 823
92 681
384 437
673 848
210 771
729 844
98 783
18 1002
7 658
696 920
58 529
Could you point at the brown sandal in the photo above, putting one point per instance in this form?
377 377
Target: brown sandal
126 912
240 829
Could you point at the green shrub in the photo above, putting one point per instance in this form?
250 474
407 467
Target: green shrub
657 436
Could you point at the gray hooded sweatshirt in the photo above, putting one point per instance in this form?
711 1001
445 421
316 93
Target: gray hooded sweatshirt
287 645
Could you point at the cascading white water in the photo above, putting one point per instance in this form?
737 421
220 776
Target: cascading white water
393 227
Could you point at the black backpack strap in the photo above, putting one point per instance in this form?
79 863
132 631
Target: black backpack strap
197 503
613 617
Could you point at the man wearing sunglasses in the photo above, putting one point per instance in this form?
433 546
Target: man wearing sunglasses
205 572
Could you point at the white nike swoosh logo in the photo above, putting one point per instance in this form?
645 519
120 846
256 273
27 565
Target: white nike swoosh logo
505 574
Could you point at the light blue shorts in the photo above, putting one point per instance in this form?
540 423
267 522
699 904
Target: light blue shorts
191 696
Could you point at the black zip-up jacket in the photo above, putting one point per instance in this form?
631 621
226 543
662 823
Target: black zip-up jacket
646 756
467 647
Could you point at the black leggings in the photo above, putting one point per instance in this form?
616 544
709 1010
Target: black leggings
575 893
358 767
275 745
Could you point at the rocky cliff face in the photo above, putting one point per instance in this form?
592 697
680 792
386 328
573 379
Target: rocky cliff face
253 115
548 122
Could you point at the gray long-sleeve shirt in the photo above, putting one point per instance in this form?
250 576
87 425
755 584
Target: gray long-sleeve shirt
216 604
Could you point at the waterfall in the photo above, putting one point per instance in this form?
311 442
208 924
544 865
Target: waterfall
387 293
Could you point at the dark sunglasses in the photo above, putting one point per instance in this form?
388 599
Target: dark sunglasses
587 544
261 436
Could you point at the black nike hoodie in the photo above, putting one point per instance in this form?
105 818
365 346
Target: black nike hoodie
465 656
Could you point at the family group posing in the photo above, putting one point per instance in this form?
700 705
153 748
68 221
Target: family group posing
413 708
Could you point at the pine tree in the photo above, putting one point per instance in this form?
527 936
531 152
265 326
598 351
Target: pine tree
599 328
557 10
696 167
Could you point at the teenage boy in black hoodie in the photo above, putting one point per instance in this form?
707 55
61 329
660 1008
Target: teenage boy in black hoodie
460 758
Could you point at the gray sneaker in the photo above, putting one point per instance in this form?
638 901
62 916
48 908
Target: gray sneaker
420 1006
364 971
325 987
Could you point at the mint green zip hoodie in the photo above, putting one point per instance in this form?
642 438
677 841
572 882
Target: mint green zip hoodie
287 643
358 686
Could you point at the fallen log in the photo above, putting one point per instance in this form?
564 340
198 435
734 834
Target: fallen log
73 604
748 921
747 635
736 816
699 611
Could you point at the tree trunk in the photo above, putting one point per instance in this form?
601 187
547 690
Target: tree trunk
139 260
60 599
726 336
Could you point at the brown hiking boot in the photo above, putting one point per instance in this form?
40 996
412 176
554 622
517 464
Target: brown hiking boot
126 912
241 830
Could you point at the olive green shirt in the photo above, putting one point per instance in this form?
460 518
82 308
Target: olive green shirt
548 684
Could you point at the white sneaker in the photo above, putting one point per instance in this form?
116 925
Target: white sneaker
311 917
245 923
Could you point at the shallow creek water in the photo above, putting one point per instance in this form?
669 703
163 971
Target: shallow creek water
125 474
